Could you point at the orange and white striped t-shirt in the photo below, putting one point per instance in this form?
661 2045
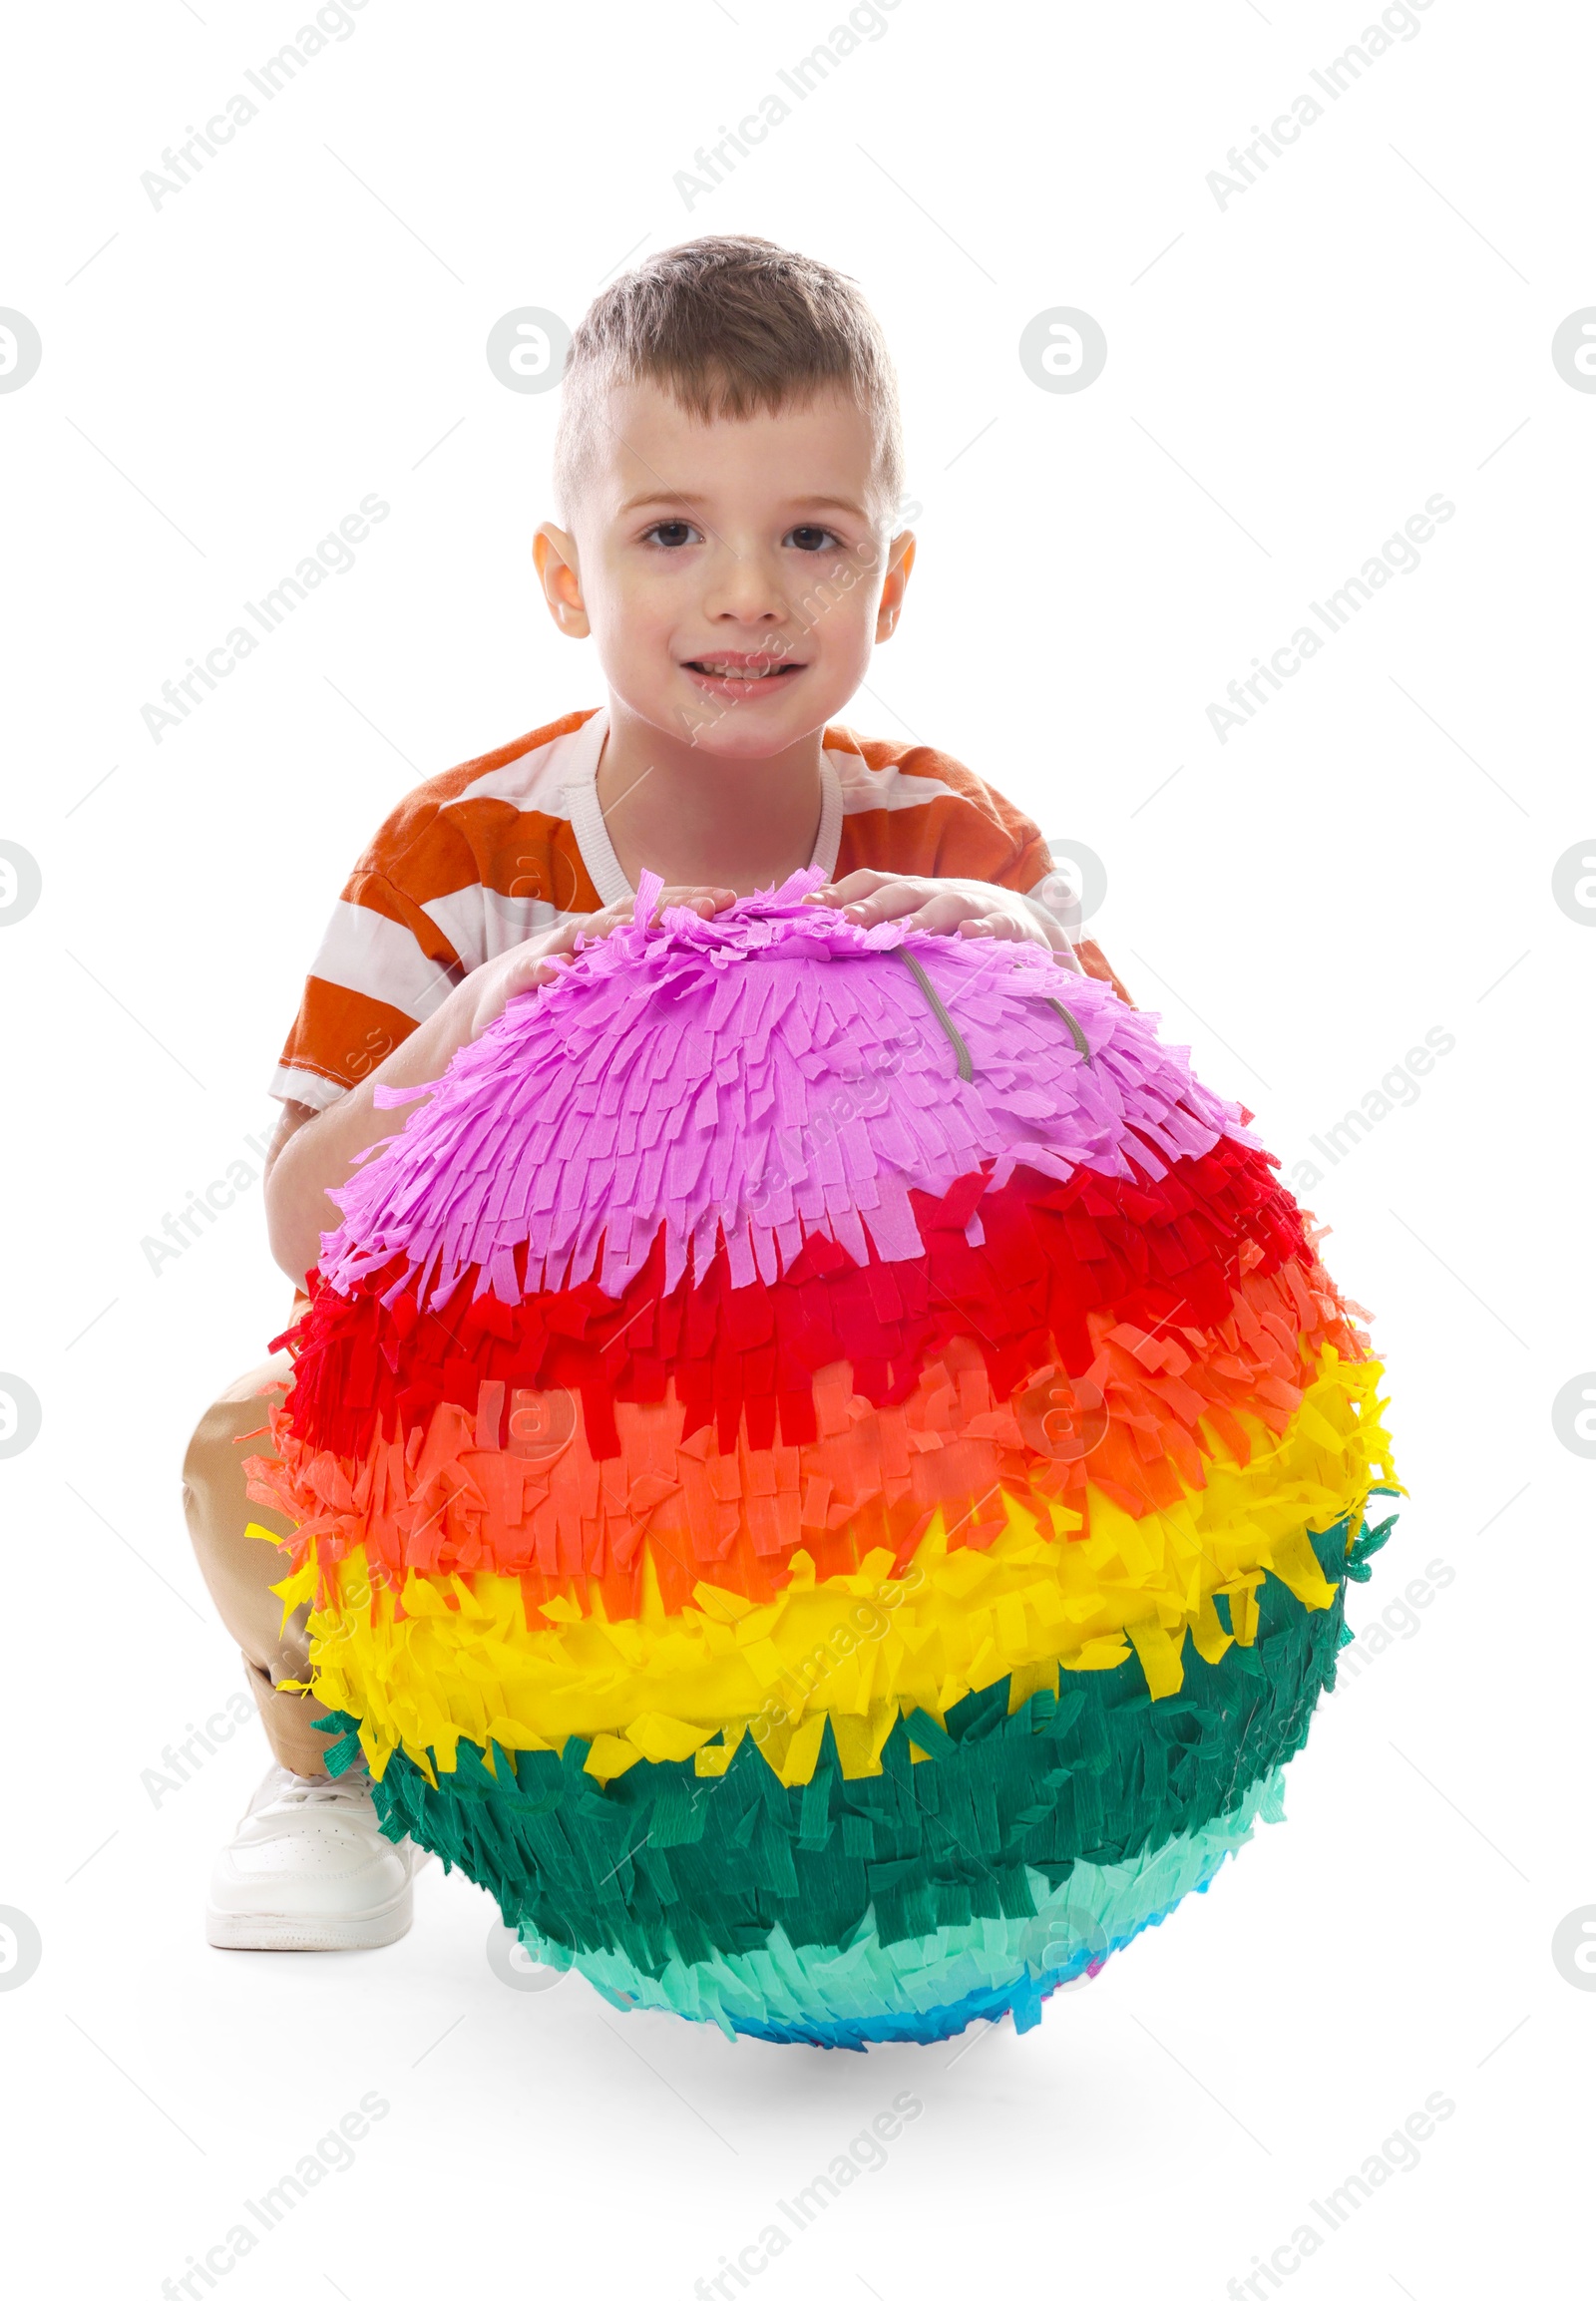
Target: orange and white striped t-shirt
477 859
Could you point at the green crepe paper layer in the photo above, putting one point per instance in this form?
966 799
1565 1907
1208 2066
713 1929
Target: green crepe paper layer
932 1987
668 1870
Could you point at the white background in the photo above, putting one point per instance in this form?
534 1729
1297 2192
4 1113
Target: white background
1370 857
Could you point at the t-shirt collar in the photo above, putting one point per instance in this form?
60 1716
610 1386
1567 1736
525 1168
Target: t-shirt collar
592 836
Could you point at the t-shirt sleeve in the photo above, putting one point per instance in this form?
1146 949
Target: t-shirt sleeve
385 963
986 837
1027 860
1097 966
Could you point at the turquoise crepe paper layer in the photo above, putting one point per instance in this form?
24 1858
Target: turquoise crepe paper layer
930 1987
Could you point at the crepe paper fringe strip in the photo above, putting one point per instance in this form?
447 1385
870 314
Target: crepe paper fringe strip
436 1659
1161 1255
977 1818
823 1478
932 1988
893 1418
451 1496
736 1030
1359 1558
450 1510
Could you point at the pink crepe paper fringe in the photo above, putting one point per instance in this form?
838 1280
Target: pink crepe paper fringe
706 1076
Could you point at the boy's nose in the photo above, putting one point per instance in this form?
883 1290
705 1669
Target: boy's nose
746 590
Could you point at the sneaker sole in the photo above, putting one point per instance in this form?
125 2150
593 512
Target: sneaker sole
271 1930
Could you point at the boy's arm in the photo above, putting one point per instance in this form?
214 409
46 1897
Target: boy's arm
311 1151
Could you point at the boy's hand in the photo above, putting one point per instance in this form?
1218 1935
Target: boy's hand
313 1151
962 906
488 990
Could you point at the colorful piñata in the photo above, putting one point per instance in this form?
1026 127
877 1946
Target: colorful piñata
827 1466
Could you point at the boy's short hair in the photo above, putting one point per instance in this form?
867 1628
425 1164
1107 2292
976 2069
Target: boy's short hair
729 326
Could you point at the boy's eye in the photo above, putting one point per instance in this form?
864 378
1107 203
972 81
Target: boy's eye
673 533
813 538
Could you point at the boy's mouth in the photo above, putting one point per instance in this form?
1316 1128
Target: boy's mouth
740 675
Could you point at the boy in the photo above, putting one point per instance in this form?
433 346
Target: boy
726 466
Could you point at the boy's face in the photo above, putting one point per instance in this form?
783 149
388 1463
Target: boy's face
734 575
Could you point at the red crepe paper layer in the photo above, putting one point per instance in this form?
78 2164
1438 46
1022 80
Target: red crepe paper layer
1212 1307
1157 1253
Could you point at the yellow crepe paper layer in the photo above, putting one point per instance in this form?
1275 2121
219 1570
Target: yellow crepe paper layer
864 1648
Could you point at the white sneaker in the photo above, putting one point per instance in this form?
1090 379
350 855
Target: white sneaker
309 1869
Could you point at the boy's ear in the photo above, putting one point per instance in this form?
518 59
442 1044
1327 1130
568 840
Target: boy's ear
553 555
899 560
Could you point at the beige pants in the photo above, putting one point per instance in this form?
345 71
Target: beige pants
240 1569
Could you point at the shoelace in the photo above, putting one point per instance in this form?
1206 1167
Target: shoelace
344 1790
347 1790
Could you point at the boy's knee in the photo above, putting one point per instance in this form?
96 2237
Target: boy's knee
241 1407
233 1427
